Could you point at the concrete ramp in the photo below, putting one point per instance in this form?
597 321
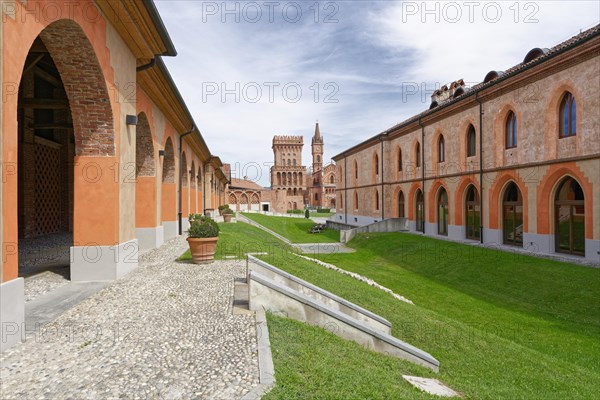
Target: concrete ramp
267 294
328 299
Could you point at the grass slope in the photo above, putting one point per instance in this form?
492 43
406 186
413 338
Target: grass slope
295 229
503 326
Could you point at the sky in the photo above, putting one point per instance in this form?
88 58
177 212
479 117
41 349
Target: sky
251 70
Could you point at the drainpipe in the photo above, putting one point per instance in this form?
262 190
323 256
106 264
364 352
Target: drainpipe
382 186
204 187
480 167
181 166
423 169
345 190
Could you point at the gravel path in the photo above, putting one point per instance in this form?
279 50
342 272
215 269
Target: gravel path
45 282
166 331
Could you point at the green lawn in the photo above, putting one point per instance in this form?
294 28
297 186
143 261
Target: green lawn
503 326
321 215
238 239
295 229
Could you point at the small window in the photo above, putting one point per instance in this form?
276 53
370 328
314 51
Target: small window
401 205
355 201
511 130
294 162
441 150
318 158
418 155
376 200
355 170
568 116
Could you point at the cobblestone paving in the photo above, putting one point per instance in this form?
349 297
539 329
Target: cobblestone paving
45 282
165 331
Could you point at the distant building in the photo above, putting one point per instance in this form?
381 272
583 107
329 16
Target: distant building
510 161
293 186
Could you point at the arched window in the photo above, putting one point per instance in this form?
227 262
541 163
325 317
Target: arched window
443 212
511 130
473 215
294 162
355 200
332 179
283 161
471 141
400 204
316 196
441 149
399 159
376 199
418 155
513 216
318 158
569 218
289 162
355 170
420 211
341 201
567 116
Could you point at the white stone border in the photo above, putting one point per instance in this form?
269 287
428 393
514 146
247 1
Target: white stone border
356 276
266 369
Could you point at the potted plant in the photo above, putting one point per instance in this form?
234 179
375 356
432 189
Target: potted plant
222 208
203 235
227 214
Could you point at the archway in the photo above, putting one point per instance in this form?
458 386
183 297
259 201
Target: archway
65 141
569 218
185 193
168 192
420 211
473 214
145 183
193 189
400 204
442 214
512 216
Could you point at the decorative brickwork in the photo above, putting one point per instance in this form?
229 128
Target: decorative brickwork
85 87
144 148
169 163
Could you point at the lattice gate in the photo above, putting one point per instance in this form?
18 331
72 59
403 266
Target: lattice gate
47 189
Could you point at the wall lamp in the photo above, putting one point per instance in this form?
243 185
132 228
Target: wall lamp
131 119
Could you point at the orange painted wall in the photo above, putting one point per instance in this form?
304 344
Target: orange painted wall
93 203
145 202
168 208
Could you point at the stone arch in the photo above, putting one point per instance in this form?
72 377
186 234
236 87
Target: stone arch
433 196
496 194
546 193
144 147
232 199
184 170
460 193
412 195
93 136
168 175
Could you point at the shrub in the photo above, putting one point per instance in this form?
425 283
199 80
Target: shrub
324 210
294 211
227 211
306 213
202 227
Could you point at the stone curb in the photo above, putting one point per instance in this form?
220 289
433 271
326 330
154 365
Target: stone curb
266 369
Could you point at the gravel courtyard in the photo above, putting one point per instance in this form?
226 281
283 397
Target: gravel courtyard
166 331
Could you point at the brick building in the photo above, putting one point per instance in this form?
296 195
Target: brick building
97 144
513 160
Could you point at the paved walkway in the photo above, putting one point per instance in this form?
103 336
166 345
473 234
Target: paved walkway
166 331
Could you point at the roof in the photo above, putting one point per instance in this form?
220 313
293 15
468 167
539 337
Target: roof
245 184
550 53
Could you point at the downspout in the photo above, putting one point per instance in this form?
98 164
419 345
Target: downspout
382 186
423 169
480 167
345 190
204 188
179 212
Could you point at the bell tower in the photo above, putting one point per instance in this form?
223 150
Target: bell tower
317 151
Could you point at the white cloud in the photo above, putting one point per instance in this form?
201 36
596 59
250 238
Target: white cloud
368 54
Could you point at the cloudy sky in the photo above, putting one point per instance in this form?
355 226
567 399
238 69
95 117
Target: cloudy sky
251 70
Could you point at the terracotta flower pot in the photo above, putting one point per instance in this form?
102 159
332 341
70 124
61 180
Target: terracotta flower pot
227 217
202 249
